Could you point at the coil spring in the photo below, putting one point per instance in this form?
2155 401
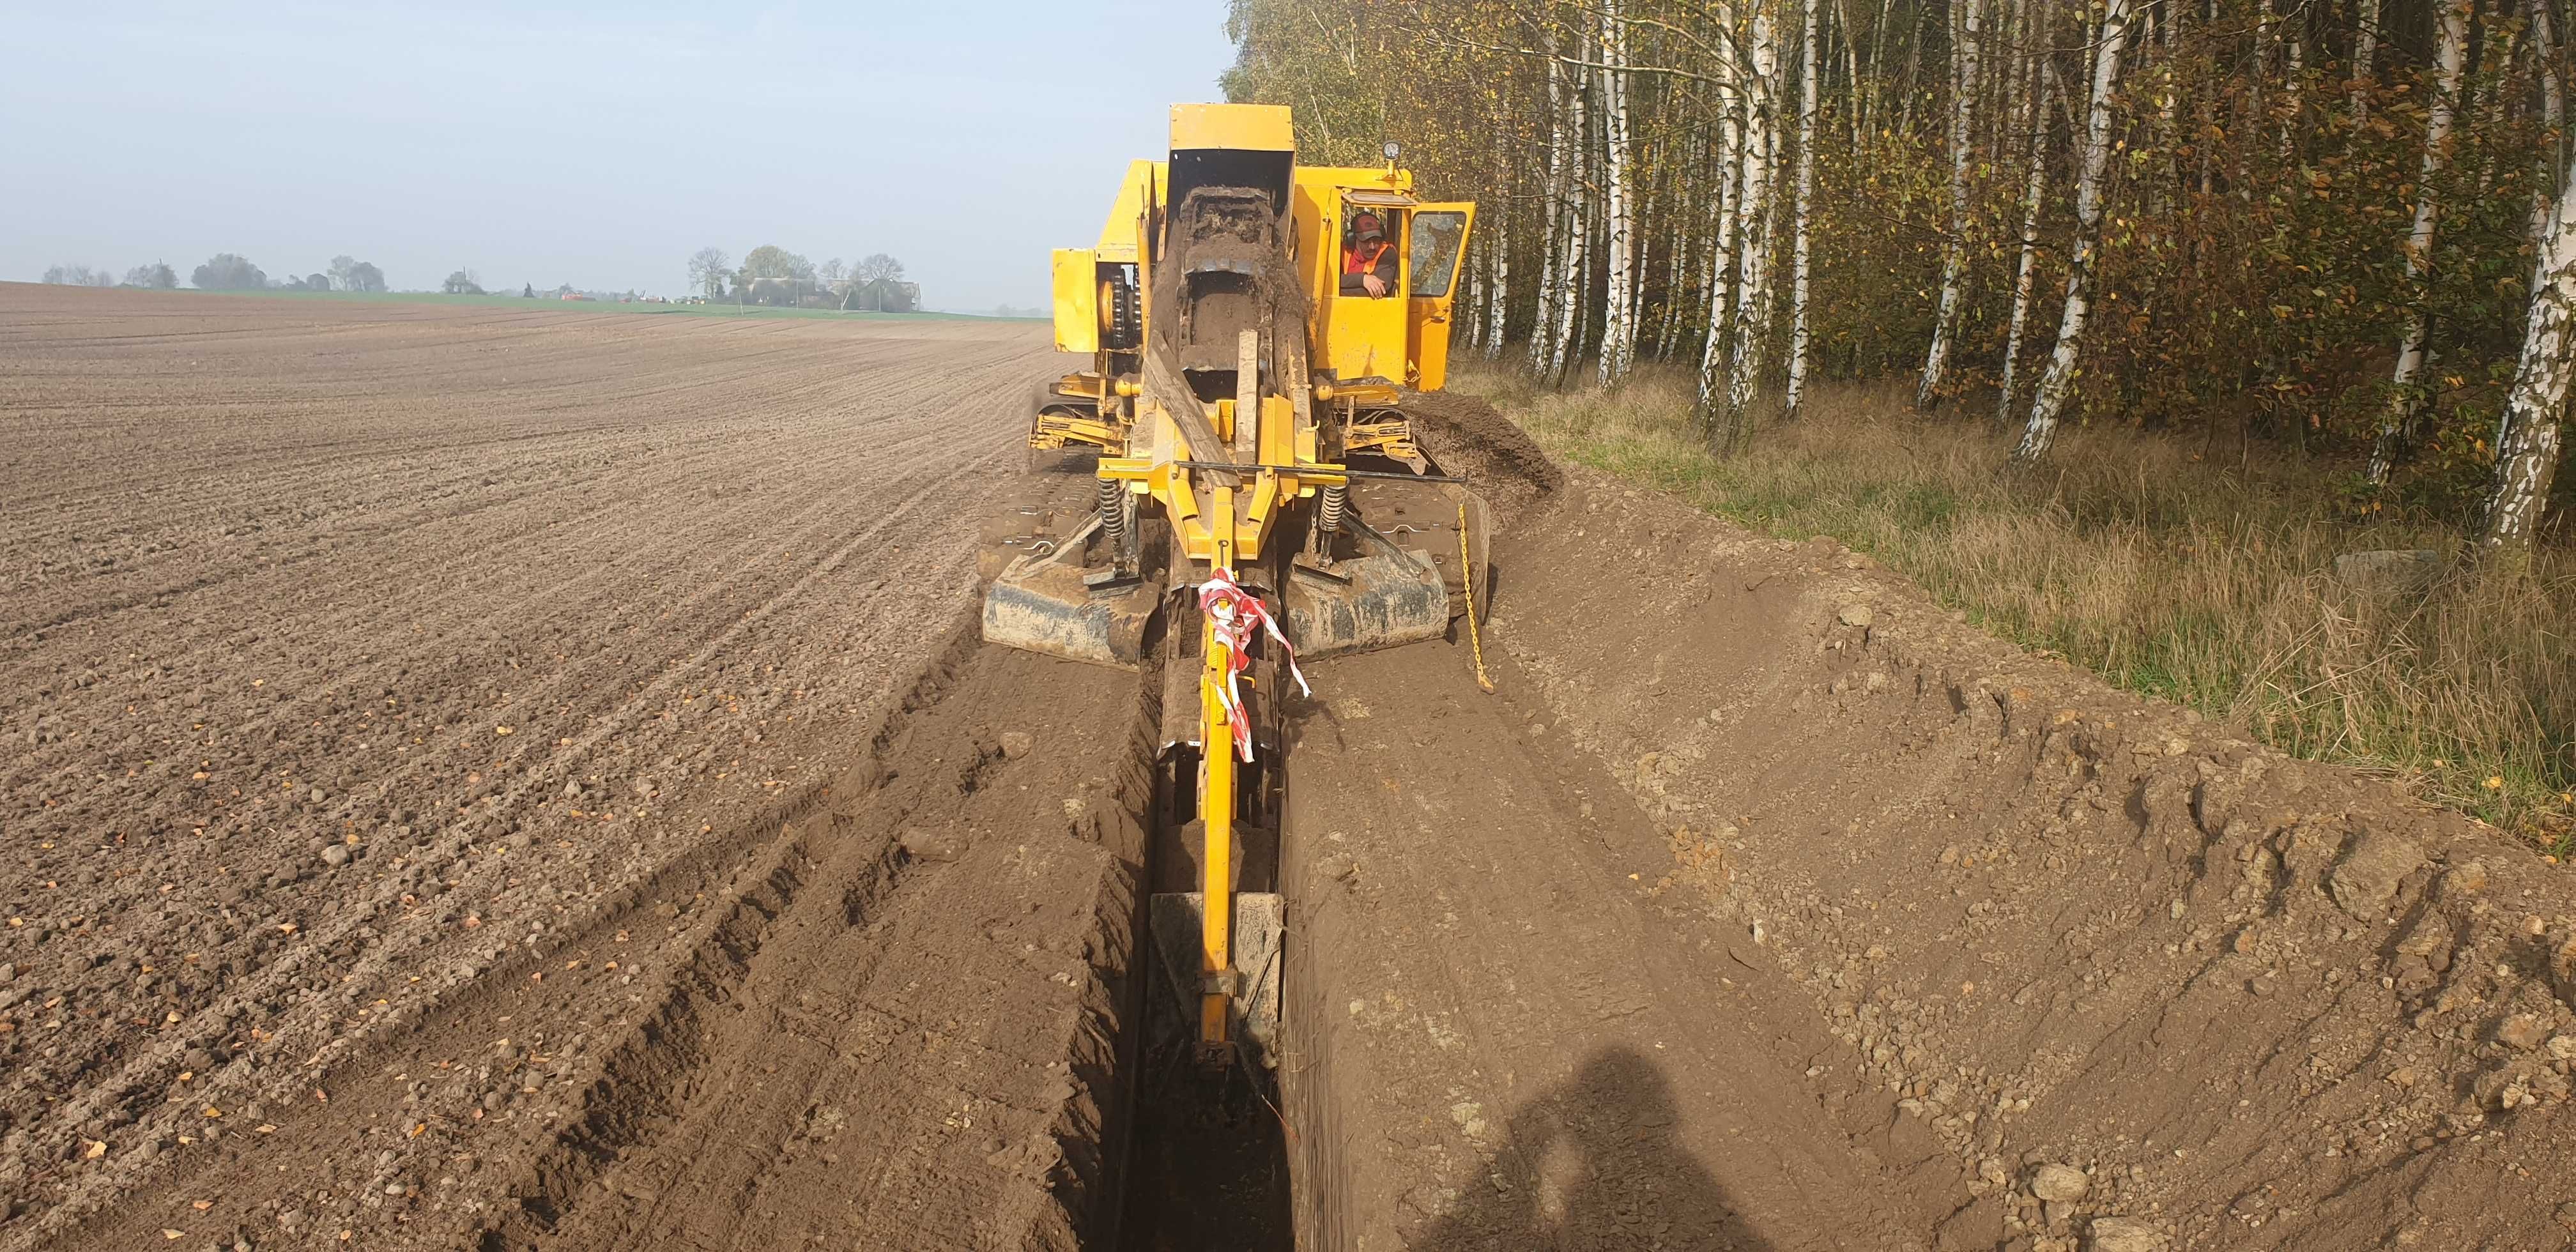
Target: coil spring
1336 499
1113 512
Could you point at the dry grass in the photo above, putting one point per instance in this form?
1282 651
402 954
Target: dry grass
2204 581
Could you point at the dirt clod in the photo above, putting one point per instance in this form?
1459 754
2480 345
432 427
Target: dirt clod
2059 1183
2522 1031
2121 1234
932 843
2365 881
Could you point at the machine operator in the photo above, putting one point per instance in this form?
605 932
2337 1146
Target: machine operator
1368 264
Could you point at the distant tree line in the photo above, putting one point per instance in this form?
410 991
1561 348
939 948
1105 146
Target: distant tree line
156 276
227 271
770 274
78 276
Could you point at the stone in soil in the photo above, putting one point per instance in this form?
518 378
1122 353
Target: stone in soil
2063 1184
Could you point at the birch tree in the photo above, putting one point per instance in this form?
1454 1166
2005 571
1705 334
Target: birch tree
1619 323
1551 286
2059 381
1567 338
1798 331
2404 397
1753 278
2528 438
2026 272
1725 84
1954 251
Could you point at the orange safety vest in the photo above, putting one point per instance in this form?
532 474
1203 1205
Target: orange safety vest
1355 263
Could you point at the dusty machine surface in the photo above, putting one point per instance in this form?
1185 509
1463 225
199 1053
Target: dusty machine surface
1261 497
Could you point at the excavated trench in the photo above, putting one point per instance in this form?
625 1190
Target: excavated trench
1208 1165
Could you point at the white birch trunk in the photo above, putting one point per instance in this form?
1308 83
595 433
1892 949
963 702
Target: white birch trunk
1552 237
1472 307
2169 32
2294 93
2025 276
1851 77
2553 91
1798 339
1618 321
1499 288
2528 439
1721 250
2553 108
2259 99
2397 424
1954 251
2365 49
1578 229
1753 277
2059 382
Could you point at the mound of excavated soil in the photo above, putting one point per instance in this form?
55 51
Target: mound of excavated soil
2090 966
1466 435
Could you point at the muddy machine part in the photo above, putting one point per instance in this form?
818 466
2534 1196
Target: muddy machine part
1048 601
1258 489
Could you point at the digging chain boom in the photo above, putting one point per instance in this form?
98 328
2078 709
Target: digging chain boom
1219 982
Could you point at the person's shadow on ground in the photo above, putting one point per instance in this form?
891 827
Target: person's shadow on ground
1595 1162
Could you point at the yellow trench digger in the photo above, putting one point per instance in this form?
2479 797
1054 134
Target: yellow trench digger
1251 355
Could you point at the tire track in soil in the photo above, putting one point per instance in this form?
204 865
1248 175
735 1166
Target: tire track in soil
921 1049
756 691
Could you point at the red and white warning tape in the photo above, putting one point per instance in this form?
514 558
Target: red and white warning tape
1232 614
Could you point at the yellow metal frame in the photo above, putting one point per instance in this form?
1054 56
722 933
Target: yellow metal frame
1077 299
1224 516
1254 127
1392 438
1062 430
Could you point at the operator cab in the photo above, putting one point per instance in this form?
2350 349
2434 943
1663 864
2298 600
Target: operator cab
1402 337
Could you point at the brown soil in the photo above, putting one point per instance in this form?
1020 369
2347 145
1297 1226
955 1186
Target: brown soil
1763 906
1767 906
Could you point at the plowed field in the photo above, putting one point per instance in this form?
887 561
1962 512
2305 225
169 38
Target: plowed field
361 655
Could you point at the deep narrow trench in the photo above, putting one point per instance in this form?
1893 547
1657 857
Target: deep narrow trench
1208 1147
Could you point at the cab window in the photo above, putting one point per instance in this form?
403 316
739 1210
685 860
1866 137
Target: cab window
1436 241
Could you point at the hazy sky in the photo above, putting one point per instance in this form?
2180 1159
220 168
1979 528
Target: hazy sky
595 144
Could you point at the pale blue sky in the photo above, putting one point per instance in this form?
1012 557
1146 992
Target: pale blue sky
595 144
